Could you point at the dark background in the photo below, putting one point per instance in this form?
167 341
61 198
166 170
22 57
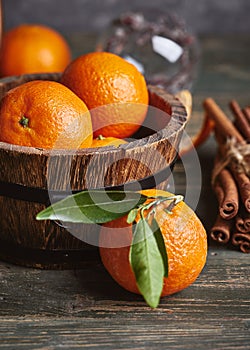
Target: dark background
67 16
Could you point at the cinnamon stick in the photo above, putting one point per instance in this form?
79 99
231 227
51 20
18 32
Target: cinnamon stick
242 240
219 137
230 178
223 124
242 224
241 121
227 195
243 183
221 230
242 180
246 112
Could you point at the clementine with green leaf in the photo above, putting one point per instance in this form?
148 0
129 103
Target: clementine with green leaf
132 259
151 242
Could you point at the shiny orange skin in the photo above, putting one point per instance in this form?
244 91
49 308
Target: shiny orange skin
55 117
107 141
185 239
103 79
33 48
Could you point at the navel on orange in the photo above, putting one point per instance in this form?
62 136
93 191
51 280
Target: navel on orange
44 114
113 89
184 237
33 48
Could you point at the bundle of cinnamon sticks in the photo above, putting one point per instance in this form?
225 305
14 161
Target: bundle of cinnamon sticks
231 174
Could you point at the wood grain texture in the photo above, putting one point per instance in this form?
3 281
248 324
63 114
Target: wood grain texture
70 309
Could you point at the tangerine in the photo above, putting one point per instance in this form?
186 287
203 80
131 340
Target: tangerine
184 237
33 48
113 89
44 114
101 141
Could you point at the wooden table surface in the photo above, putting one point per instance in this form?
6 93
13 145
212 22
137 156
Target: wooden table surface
85 308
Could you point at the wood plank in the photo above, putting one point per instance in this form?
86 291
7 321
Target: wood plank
94 334
37 306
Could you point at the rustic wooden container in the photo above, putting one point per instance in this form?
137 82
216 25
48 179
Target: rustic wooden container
24 173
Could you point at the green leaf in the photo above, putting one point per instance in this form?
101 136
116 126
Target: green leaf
132 215
147 263
94 207
161 245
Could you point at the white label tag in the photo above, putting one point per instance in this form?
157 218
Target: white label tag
166 48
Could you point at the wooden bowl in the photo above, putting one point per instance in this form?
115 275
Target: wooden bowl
25 174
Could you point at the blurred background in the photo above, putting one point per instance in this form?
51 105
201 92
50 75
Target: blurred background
201 16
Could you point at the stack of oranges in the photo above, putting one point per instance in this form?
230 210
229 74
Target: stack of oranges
99 94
